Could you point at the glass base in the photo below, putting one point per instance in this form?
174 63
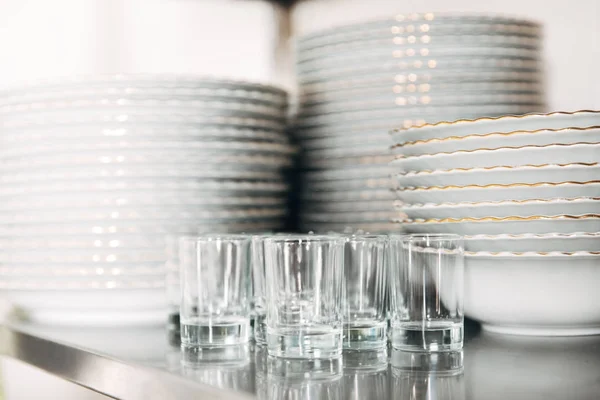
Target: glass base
430 337
365 336
315 343
203 333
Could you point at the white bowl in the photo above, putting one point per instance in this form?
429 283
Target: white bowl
515 225
524 155
499 192
552 294
493 140
578 172
527 242
508 123
572 206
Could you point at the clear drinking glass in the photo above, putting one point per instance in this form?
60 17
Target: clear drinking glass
304 283
365 273
215 282
426 304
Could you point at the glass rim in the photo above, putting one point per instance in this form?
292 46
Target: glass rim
214 237
375 237
304 237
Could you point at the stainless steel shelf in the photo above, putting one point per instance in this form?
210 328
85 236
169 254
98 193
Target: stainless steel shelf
145 363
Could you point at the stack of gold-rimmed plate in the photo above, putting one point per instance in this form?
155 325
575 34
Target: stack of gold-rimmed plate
525 191
96 171
359 81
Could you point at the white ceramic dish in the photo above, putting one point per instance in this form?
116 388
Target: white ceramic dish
346 206
194 186
415 113
350 195
573 206
120 228
226 161
400 101
151 258
378 157
149 214
349 184
346 141
498 192
499 139
172 171
31 268
88 243
450 81
504 174
536 224
509 123
534 294
356 227
373 148
527 242
348 173
349 217
547 154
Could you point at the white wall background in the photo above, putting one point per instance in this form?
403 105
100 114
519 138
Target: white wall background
572 33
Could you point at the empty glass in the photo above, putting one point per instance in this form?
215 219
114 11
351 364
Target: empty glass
426 307
304 306
365 324
215 281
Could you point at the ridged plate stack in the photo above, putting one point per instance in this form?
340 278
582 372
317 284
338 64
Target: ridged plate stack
357 82
525 192
95 172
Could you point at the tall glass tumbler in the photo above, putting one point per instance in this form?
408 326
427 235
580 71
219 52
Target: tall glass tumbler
426 304
215 283
365 272
304 307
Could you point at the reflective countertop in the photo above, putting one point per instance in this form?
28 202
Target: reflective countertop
490 367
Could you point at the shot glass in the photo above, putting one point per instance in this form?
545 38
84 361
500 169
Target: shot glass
365 273
426 292
173 282
304 275
215 287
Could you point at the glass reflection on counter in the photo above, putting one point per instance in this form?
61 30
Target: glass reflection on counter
424 376
365 375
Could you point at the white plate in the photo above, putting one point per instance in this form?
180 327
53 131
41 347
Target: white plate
527 242
102 147
349 195
514 225
344 141
494 140
332 155
349 184
99 131
509 123
84 242
370 217
574 206
393 117
506 174
496 192
118 229
19 265
140 200
346 206
140 214
389 53
413 100
534 295
225 161
414 66
356 227
348 173
193 186
514 156
466 80
376 158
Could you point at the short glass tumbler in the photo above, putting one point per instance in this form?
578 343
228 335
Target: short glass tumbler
259 288
365 271
304 305
215 282
426 292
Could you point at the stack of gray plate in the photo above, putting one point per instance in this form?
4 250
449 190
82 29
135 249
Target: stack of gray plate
95 172
357 82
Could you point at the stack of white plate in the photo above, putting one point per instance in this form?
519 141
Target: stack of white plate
525 191
359 81
95 172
